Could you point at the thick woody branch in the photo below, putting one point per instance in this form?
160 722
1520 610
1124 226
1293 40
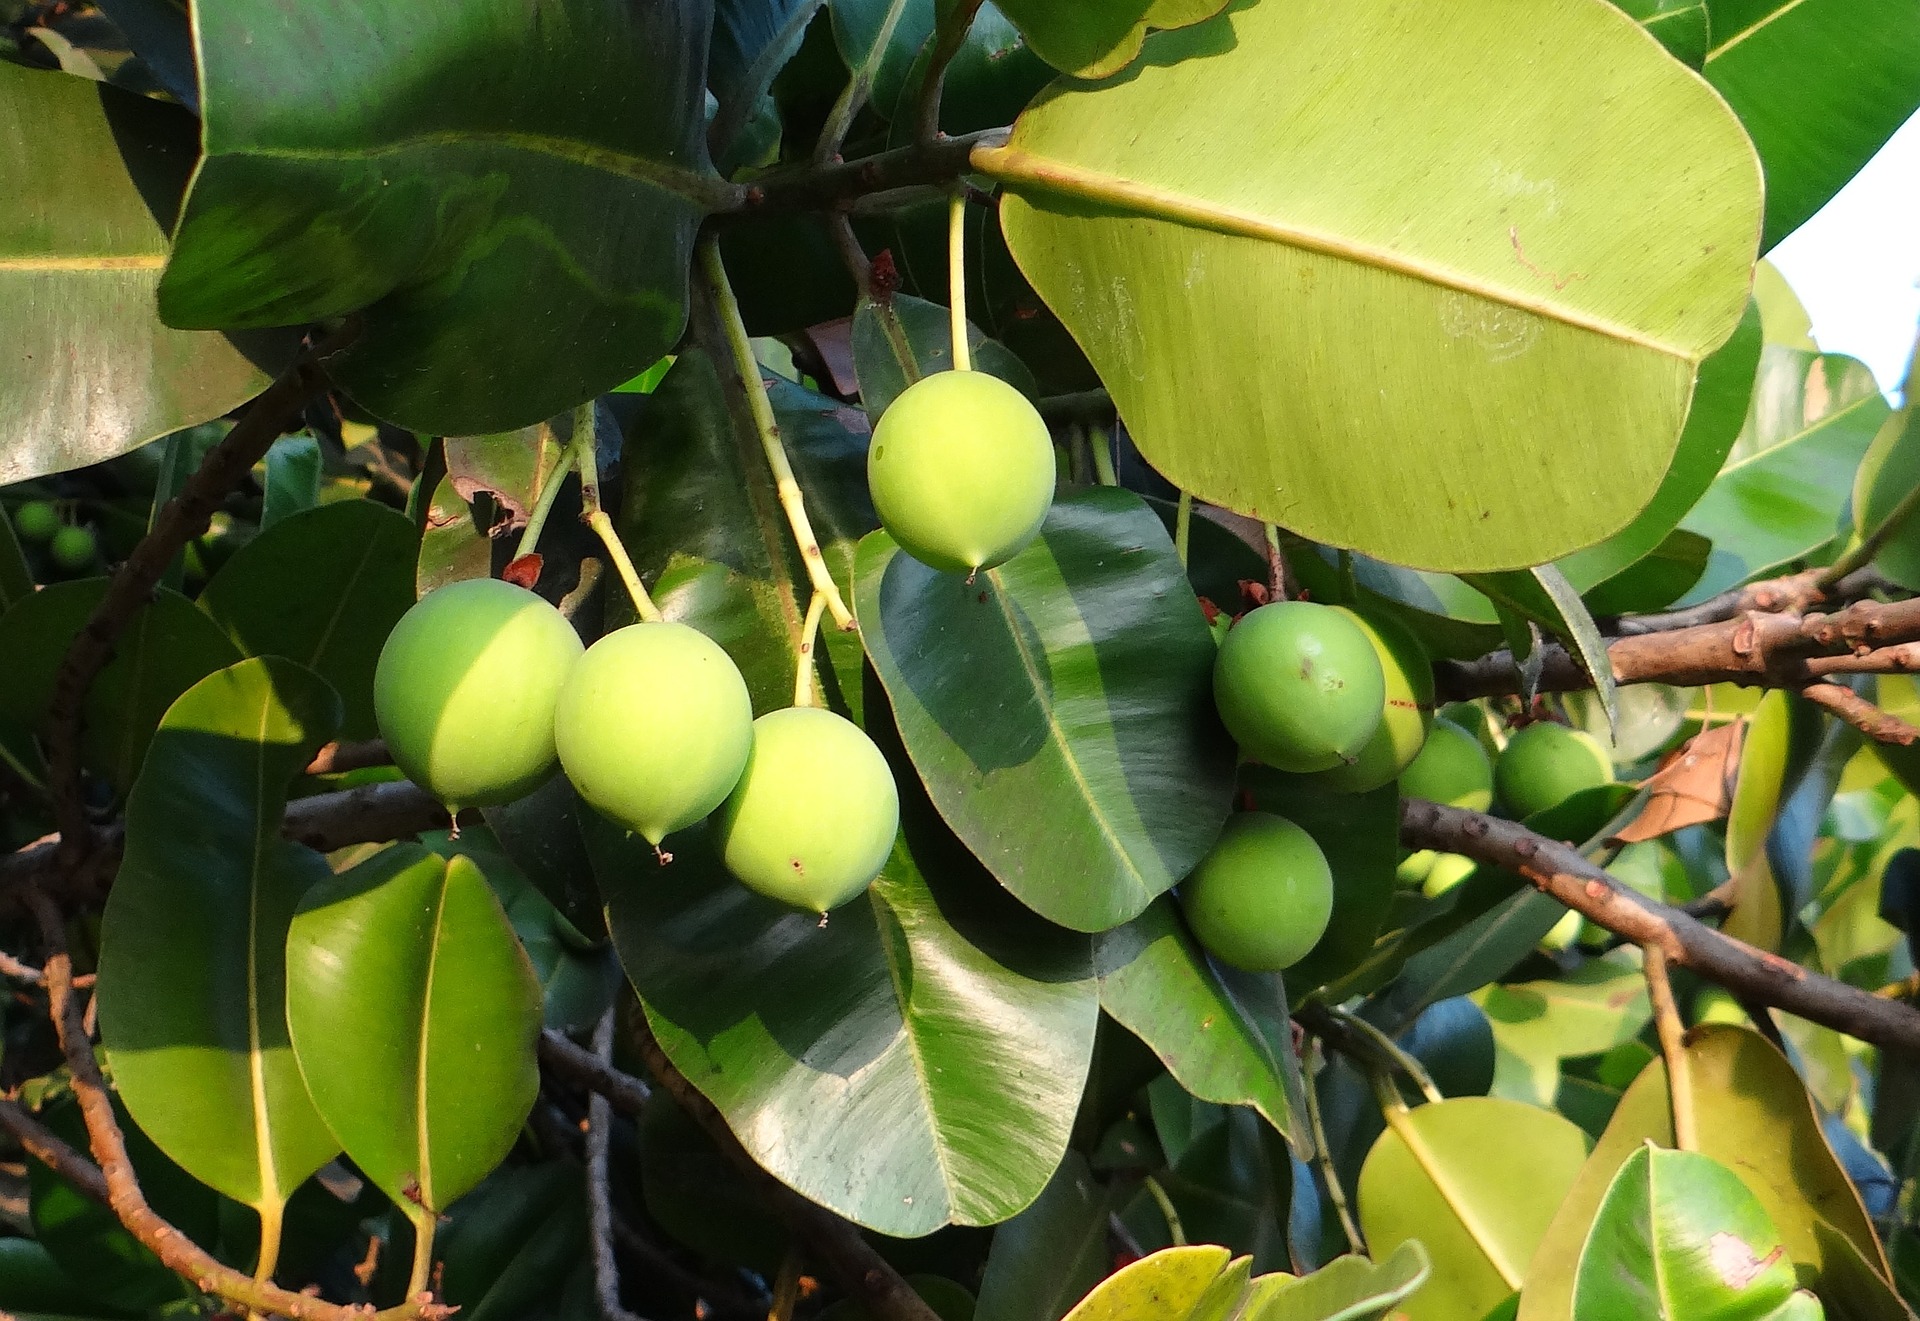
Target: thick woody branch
827 187
1559 870
175 1250
836 1242
180 520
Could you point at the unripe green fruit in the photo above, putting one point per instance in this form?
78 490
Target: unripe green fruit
1262 897
961 471
1448 870
36 521
1299 686
73 548
814 817
653 727
1406 716
1452 768
465 690
1545 764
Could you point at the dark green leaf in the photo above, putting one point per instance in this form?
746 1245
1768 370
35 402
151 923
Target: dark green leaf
414 1014
293 479
1060 707
1044 1259
95 179
510 195
896 343
192 944
697 1196
878 39
323 587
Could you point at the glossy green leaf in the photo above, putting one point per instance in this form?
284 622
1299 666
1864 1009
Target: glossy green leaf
1158 983
1764 753
1785 502
1046 1258
293 479
945 1031
95 178
1592 1009
1888 474
1094 38
414 1014
1656 580
913 334
323 587
1060 707
503 169
1174 1284
505 1252
1476 1180
1819 84
167 648
704 527
878 39
1679 1235
452 546
193 941
1555 308
1681 26
1796 388
1720 396
1785 317
1349 1288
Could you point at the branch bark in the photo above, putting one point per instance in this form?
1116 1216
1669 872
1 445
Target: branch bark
828 187
40 1142
836 1242
1560 870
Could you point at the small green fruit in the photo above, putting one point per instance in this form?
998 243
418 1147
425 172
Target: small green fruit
814 817
1408 712
465 691
73 548
36 521
1262 897
1299 686
1452 768
653 727
1545 764
1448 870
961 471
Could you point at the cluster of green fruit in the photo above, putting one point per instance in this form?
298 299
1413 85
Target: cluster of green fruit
1347 698
71 547
483 687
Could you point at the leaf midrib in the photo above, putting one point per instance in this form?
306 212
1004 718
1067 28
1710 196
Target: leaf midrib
1482 1237
263 830
423 1176
692 185
1717 51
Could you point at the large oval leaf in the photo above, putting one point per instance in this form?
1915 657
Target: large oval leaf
1441 302
510 194
1679 1235
1888 474
1475 1179
1060 707
915 1061
1820 87
1761 781
192 944
414 1014
94 178
1093 38
323 587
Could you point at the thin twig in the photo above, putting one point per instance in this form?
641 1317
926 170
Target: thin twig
1389 1050
180 520
1323 1156
803 666
947 43
1176 1232
1880 726
747 369
1673 1045
1560 871
606 1271
586 1070
338 758
41 1143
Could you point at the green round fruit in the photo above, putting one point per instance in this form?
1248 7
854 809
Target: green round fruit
1406 716
813 818
1261 898
1447 871
36 521
1299 686
465 690
961 471
1545 764
653 727
1452 768
73 548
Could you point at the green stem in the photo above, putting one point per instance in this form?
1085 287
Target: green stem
747 368
1100 445
1276 563
859 86
272 1220
1183 527
1175 1230
1323 1155
803 690
551 480
1393 1051
584 427
424 1222
957 280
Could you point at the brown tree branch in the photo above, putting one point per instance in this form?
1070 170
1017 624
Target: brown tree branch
183 518
1793 594
1863 715
175 1250
41 1143
952 35
826 187
606 1270
337 758
865 1273
1559 870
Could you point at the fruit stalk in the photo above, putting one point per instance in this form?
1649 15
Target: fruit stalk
552 480
596 515
792 501
957 280
803 676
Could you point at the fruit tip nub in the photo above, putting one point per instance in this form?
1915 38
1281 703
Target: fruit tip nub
661 855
